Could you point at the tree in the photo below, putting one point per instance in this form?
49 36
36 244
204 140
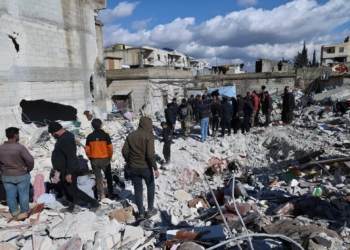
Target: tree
301 60
314 59
285 60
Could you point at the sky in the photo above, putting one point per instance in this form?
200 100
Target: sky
228 31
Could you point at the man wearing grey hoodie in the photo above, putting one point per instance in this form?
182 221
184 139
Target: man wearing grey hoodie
139 154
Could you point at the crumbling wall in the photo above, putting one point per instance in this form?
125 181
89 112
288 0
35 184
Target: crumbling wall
48 50
305 76
148 93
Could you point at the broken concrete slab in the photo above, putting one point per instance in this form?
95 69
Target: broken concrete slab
324 242
190 246
132 233
72 244
182 195
73 224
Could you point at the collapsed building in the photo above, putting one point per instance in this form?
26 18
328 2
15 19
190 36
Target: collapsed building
51 50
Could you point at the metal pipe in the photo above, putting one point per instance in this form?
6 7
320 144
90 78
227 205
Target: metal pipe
239 215
220 211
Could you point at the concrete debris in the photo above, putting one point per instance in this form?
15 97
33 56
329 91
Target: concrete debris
291 179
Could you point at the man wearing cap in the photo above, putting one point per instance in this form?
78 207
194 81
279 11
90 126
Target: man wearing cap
64 159
175 109
267 107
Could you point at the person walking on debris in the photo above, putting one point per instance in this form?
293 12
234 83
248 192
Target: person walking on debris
262 98
239 115
185 116
169 117
226 113
267 108
288 105
99 149
190 100
234 111
254 120
139 154
167 143
195 111
215 112
64 159
15 164
203 112
175 109
248 111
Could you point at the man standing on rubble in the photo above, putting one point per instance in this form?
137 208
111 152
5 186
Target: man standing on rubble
99 149
169 117
254 121
175 109
226 113
267 108
203 112
288 106
185 116
139 154
15 164
64 159
215 111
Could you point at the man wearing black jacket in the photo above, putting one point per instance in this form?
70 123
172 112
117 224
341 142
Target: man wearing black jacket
239 115
267 108
167 143
288 106
248 111
64 159
226 113
169 117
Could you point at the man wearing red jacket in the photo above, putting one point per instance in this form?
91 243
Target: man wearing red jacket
254 120
99 149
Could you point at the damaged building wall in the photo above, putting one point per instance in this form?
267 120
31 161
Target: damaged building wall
147 94
48 52
274 82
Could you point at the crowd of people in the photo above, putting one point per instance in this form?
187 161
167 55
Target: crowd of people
70 173
241 113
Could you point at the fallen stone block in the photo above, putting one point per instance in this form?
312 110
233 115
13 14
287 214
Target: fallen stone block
132 233
73 224
182 195
73 244
110 235
240 190
190 246
122 215
324 242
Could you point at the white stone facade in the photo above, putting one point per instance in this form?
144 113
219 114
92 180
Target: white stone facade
48 51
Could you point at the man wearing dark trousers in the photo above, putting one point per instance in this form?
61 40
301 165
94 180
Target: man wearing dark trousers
240 115
99 149
226 113
15 164
169 117
167 143
267 108
175 109
139 154
215 111
64 159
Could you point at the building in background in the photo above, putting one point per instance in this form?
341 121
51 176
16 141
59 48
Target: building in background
145 56
336 53
267 65
53 52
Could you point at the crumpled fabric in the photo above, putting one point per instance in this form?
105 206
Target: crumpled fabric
39 187
46 198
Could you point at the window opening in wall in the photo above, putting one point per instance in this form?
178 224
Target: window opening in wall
158 57
13 38
341 50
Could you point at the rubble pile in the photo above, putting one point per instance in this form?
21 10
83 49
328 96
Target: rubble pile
280 187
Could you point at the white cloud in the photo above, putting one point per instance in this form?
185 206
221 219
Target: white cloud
247 2
247 34
123 9
140 25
